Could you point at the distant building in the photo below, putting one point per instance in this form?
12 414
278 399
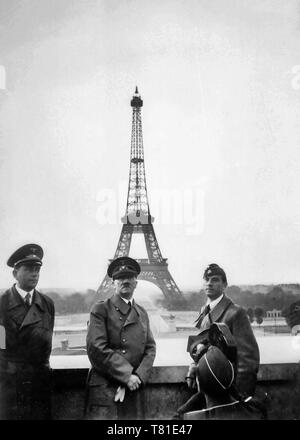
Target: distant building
272 314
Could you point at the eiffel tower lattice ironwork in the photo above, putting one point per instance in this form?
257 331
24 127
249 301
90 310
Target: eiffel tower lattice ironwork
138 220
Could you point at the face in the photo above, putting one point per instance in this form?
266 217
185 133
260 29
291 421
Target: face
27 276
214 286
125 286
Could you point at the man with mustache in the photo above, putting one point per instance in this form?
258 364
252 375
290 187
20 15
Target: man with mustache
220 308
120 347
26 328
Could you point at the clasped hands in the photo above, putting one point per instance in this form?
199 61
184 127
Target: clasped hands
134 382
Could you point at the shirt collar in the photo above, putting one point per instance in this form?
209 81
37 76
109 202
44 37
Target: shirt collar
212 304
22 292
126 300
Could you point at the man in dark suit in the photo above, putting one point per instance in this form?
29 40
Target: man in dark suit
219 308
26 328
120 347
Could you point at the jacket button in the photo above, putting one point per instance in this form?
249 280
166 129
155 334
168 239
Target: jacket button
123 351
124 340
120 318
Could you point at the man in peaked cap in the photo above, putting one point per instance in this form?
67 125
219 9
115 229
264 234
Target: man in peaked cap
219 308
120 347
26 328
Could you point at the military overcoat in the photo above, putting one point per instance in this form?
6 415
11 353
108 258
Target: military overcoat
25 347
119 343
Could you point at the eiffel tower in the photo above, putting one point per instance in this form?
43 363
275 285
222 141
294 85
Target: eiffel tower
138 220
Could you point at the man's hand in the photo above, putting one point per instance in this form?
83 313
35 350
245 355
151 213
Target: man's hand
191 376
134 382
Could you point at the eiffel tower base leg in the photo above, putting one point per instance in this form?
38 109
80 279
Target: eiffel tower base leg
159 275
106 289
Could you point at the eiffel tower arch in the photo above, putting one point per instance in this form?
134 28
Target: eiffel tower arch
138 220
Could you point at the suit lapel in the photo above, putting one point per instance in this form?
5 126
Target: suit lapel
199 319
119 304
33 316
122 307
16 308
204 322
14 299
220 308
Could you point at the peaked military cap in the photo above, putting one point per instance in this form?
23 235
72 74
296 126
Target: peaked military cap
27 254
214 269
123 266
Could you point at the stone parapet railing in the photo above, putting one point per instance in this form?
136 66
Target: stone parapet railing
278 384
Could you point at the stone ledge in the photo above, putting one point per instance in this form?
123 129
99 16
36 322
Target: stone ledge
176 374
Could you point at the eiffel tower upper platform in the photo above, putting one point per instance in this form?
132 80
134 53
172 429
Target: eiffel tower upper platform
138 220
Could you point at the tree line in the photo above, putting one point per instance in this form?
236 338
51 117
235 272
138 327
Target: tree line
77 302
276 298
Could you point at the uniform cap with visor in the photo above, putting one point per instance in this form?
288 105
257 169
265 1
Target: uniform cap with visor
122 267
29 254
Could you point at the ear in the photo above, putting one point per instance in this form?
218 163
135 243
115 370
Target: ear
14 272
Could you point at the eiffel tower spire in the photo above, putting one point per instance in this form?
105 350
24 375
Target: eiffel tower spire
138 220
137 210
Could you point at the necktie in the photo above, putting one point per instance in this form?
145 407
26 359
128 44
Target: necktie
200 318
206 310
129 304
27 299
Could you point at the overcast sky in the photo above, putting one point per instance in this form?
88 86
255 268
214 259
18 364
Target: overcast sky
220 80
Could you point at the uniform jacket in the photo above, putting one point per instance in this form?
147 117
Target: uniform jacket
247 349
28 333
119 342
